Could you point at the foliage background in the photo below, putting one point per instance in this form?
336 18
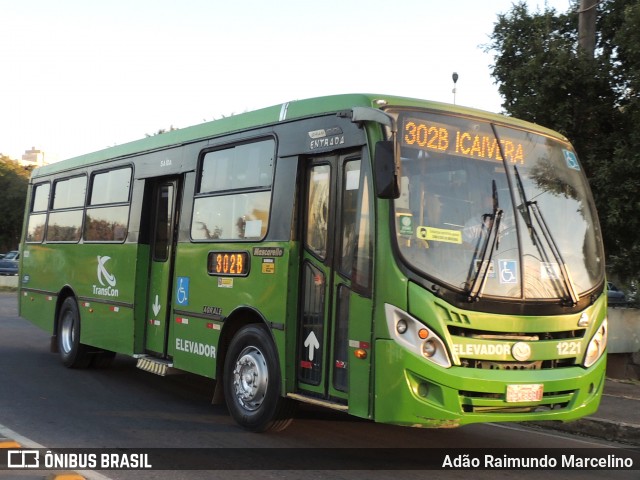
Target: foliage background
14 180
545 77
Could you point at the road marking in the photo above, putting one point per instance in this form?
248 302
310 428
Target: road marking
24 442
9 444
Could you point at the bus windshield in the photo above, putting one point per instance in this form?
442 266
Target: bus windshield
490 210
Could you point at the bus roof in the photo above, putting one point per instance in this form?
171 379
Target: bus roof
270 115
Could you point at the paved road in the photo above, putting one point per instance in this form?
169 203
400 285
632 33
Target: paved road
124 407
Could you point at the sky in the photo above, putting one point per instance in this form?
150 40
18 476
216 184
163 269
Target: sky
78 76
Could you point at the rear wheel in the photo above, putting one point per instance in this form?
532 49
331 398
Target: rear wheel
72 352
252 382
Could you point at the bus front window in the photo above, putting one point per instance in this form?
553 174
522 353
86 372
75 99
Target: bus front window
494 211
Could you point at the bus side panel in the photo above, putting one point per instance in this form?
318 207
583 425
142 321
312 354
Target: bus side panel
106 326
360 368
288 369
101 276
193 341
260 295
38 308
38 302
194 344
140 303
104 283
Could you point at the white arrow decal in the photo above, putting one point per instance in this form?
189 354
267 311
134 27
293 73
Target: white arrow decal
312 343
156 307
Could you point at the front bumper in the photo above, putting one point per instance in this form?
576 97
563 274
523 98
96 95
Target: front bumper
418 393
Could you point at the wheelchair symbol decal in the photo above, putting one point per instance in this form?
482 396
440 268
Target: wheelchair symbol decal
182 292
570 158
508 271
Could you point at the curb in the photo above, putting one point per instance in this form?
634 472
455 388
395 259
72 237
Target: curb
599 428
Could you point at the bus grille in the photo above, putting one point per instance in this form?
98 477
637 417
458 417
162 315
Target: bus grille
532 337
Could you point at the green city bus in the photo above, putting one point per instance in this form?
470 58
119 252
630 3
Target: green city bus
400 260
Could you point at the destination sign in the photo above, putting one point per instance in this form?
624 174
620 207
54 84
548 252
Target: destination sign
229 264
427 135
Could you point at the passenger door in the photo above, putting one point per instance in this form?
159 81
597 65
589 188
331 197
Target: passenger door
335 313
165 211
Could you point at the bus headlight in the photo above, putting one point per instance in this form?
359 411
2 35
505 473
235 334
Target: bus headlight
401 326
415 336
429 348
597 345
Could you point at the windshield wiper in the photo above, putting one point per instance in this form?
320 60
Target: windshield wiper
530 210
490 244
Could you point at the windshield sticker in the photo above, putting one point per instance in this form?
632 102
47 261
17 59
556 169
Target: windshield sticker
406 224
549 271
508 271
439 235
491 271
571 159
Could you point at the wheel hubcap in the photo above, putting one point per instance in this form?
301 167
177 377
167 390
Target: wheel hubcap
66 332
250 378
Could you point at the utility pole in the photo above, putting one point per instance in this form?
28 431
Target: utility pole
587 26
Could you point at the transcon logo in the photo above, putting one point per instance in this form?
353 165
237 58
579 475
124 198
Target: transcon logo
103 274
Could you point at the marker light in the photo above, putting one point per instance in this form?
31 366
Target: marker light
597 345
360 353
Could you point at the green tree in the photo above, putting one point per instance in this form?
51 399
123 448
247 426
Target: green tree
546 78
14 181
620 178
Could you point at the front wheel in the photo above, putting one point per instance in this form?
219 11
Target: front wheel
252 382
72 352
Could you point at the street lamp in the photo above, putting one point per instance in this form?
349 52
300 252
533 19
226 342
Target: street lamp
455 80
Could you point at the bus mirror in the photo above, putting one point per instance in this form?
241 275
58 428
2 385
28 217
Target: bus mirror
387 174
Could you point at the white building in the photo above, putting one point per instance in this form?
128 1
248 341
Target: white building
32 158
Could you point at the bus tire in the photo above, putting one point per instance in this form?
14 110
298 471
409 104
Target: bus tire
252 382
72 352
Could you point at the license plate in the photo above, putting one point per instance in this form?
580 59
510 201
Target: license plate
524 393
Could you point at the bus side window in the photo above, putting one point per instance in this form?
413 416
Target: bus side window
65 221
107 214
350 194
318 210
233 200
163 224
357 242
38 213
